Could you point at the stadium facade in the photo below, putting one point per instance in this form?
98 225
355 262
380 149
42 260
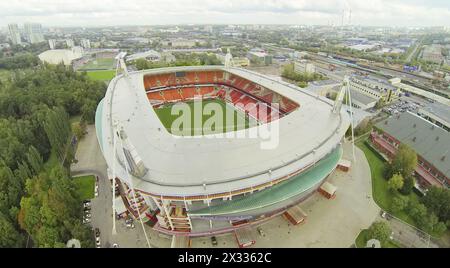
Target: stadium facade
210 184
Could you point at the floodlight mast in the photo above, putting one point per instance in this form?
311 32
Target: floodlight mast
120 58
229 59
114 178
342 94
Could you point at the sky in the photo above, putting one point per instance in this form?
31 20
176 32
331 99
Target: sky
90 13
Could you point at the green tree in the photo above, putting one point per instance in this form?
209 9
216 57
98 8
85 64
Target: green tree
88 111
395 183
381 231
437 200
9 236
408 185
34 160
416 210
404 162
399 203
77 130
11 189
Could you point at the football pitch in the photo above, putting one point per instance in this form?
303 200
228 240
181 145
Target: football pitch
180 118
99 64
101 75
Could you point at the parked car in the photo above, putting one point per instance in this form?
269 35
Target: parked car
129 223
260 231
97 238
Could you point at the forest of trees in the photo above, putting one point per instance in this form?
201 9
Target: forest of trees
39 204
181 60
19 62
302 79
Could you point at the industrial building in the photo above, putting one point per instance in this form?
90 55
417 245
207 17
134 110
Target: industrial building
259 57
374 87
304 67
430 142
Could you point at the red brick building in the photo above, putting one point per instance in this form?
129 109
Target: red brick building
431 143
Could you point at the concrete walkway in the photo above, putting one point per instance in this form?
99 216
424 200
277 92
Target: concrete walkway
330 223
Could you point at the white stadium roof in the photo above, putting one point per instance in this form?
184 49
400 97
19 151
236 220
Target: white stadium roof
203 165
56 56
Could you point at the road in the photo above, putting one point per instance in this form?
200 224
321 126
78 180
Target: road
408 59
91 161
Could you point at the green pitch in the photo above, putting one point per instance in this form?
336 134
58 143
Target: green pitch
101 63
101 75
232 119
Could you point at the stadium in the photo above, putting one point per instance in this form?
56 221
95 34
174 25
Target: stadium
201 182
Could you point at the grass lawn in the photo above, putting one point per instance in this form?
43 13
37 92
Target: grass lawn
166 117
362 238
106 64
101 75
381 194
85 186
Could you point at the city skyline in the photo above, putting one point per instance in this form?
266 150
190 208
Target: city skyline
401 13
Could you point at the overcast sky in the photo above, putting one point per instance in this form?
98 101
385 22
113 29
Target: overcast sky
158 12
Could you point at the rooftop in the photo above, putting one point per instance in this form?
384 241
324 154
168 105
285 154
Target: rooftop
362 98
428 140
438 109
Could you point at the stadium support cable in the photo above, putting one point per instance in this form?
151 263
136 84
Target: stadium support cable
352 123
114 184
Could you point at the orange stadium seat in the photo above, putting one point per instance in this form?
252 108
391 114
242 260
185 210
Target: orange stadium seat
235 89
155 96
206 90
188 92
172 95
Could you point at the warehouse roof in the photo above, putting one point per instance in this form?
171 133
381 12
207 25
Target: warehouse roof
427 139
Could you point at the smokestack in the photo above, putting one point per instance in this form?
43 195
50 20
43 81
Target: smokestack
350 18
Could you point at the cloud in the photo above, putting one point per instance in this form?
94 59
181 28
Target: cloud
144 12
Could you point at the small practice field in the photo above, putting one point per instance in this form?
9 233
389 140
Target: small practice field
232 119
99 64
85 186
101 75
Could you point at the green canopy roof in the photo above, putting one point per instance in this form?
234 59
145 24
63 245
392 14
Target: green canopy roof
278 193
